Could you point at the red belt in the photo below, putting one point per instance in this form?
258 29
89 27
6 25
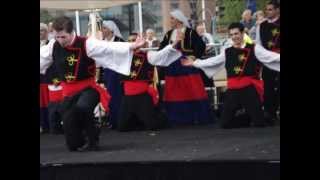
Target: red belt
277 50
55 96
70 89
241 82
140 87
44 95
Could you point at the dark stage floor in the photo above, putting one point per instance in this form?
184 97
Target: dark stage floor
191 143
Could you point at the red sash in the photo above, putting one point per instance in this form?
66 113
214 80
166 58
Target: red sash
70 89
44 95
139 87
244 81
55 96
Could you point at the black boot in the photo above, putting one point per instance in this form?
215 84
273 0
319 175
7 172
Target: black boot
92 143
269 119
92 146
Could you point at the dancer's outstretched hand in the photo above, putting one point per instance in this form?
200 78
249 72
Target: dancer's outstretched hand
140 41
179 38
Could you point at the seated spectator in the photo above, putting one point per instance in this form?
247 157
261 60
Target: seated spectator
259 18
247 20
151 39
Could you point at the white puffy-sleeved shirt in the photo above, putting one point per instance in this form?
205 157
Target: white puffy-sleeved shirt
213 65
113 55
164 57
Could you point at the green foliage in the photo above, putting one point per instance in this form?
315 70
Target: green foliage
261 4
233 11
45 17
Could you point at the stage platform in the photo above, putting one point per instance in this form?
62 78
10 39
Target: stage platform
185 143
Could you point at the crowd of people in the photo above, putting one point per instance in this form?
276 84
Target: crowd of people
85 78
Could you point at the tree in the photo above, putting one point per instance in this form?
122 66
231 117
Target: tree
261 4
232 11
45 17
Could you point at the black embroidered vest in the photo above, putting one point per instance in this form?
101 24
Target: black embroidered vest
140 69
270 35
52 75
190 46
242 62
72 62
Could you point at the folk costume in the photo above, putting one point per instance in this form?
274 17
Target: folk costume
140 100
243 82
76 66
268 35
185 98
55 102
111 79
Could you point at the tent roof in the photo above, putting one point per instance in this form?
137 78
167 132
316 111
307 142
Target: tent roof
83 4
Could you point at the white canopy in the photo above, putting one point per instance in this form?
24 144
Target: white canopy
83 4
89 5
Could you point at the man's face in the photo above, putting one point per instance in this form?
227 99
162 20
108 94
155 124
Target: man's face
200 30
50 29
173 22
271 12
106 32
259 16
149 35
63 38
43 34
236 36
247 16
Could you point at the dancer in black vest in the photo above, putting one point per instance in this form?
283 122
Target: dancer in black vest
140 100
55 101
242 62
268 35
74 58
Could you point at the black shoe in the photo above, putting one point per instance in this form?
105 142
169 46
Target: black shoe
109 125
88 147
269 119
271 122
259 125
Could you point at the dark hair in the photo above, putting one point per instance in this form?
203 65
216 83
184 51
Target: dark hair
236 25
63 23
275 4
133 34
